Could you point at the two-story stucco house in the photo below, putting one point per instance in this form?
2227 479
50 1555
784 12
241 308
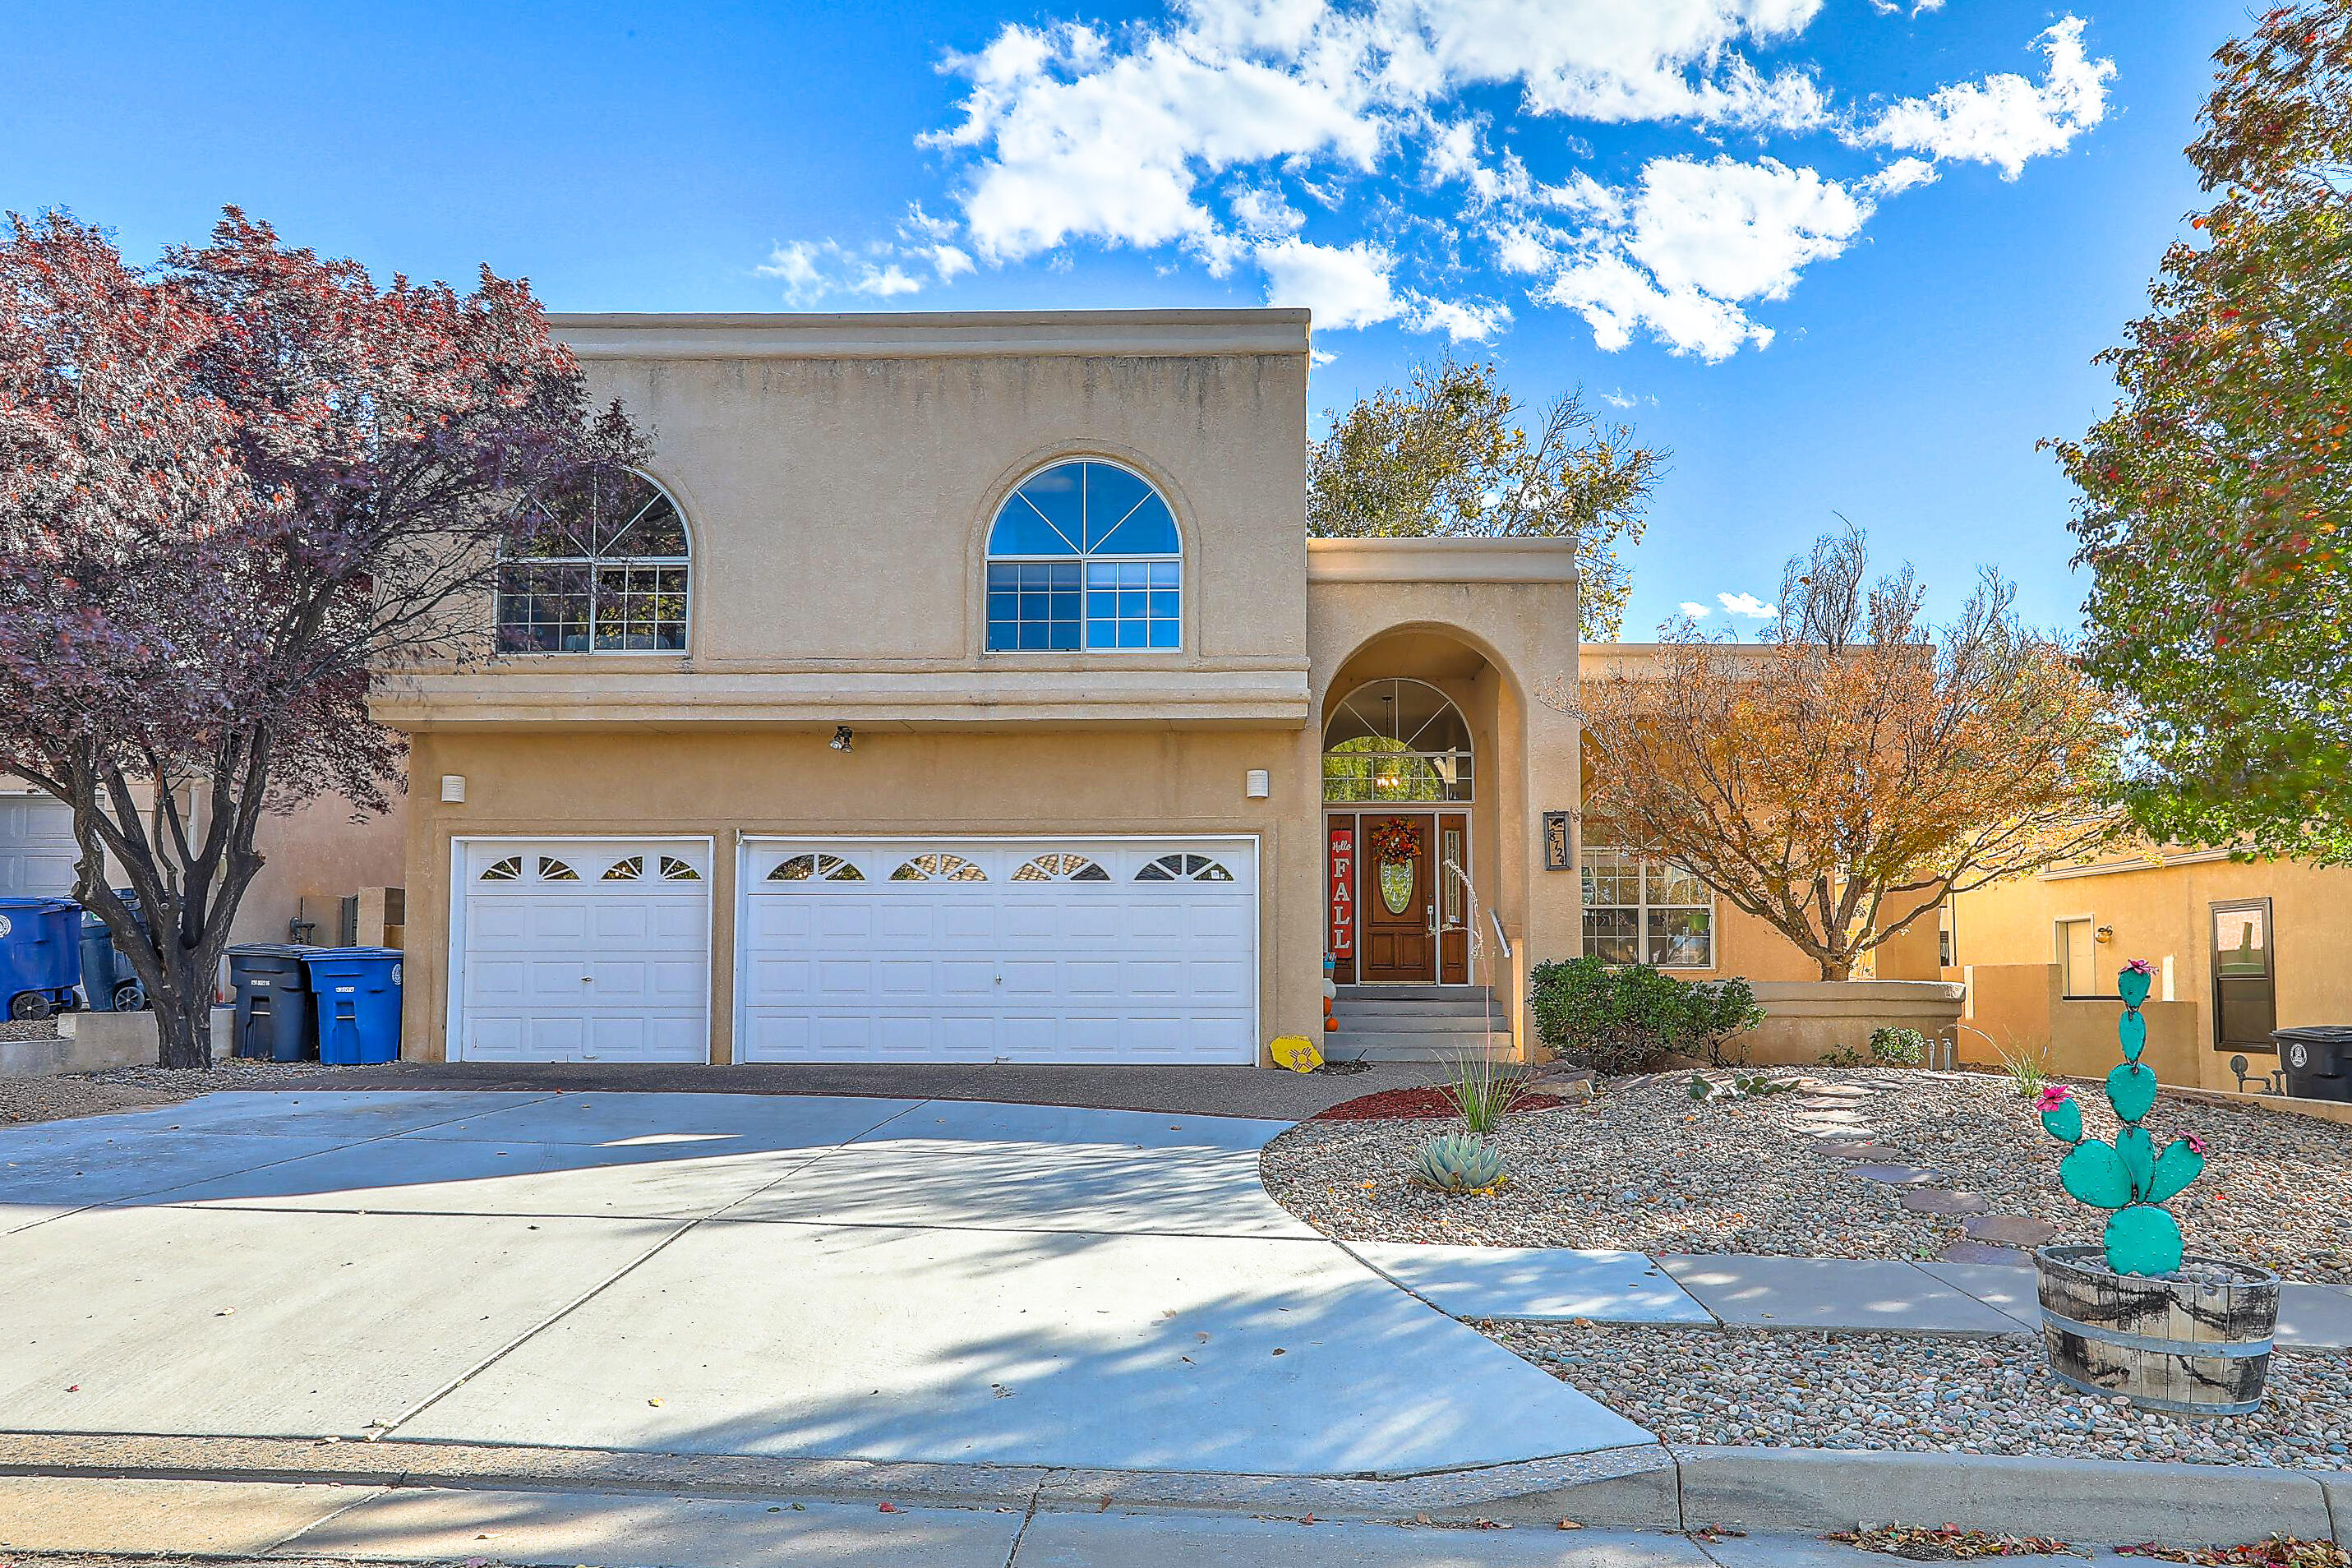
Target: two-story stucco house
965 688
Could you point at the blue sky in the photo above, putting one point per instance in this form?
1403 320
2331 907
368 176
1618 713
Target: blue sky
1843 256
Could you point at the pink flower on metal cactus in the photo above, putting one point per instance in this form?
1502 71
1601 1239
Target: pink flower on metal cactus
2052 1097
2196 1145
2139 966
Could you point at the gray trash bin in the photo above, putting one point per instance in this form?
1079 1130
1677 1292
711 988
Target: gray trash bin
274 1021
2317 1059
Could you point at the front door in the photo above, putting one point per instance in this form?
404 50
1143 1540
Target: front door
2245 1003
1398 898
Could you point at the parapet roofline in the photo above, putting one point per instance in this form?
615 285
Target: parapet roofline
918 334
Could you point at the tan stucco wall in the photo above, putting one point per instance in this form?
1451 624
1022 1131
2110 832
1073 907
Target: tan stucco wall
2160 911
319 851
720 784
2015 1010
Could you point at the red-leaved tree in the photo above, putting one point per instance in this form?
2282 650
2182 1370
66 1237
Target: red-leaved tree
235 489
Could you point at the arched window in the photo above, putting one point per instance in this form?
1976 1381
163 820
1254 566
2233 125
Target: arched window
605 571
1184 869
1061 868
1396 740
1085 556
815 868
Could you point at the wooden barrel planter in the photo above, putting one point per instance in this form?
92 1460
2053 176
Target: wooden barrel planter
2199 1345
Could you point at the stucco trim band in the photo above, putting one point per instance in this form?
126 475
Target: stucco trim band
960 334
1440 560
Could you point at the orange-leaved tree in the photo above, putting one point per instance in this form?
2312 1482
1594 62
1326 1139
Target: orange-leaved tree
1841 778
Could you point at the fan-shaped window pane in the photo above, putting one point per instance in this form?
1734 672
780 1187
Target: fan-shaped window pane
674 869
1396 740
820 868
605 570
1061 868
628 870
835 870
1085 555
939 868
551 869
505 871
799 868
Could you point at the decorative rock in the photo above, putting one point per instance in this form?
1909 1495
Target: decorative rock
1843 1148
1937 1200
2009 1229
1895 1175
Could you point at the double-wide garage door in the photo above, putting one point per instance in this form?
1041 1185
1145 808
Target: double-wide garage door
864 949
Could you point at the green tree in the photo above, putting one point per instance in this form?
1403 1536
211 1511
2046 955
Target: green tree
1451 452
2214 507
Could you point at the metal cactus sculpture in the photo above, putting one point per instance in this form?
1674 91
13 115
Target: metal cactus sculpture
2129 1175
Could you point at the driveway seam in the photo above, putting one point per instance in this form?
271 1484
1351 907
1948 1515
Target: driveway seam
597 1289
368 1495
130 1200
1021 1531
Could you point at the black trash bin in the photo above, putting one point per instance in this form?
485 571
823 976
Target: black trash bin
2317 1059
274 1021
108 980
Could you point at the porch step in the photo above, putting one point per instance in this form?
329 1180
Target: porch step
1472 1021
1416 1049
1383 991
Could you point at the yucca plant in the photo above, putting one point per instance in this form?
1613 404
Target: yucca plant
1459 1162
1483 1091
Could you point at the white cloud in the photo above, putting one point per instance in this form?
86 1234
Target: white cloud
1695 242
1695 610
2003 120
1746 604
1349 150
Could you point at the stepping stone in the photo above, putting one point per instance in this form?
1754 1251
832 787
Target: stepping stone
1843 1148
1938 1200
1978 1252
1895 1175
2009 1229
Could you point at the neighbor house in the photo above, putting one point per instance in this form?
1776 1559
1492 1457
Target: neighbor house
2240 948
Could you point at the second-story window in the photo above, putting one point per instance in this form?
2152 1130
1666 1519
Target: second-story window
606 571
1085 556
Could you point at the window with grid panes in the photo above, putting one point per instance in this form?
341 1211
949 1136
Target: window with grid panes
1640 910
1085 556
605 571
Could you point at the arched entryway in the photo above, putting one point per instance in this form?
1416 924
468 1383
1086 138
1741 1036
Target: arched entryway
1400 784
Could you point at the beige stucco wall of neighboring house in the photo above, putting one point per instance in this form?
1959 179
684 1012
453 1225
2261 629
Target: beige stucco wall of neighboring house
2158 906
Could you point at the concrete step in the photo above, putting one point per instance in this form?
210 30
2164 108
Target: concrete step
1353 1022
1383 991
1439 1007
1436 1049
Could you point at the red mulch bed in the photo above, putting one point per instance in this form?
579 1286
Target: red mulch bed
1428 1104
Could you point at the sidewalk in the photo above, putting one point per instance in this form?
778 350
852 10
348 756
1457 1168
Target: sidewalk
1535 1284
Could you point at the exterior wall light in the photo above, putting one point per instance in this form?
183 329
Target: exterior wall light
1257 785
840 741
453 788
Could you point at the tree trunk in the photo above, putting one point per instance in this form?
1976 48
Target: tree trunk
184 1027
1837 968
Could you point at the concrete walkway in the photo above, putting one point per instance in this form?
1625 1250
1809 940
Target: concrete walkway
1558 1284
896 1279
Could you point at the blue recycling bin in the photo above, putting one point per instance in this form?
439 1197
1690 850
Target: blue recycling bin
40 956
356 991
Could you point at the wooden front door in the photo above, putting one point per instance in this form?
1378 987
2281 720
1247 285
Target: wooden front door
1397 900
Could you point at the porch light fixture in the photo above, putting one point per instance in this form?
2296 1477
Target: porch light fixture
840 741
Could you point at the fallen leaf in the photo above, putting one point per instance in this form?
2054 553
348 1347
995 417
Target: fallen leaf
886 1508
653 1402
1569 1524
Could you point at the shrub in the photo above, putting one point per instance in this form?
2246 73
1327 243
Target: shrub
2027 1071
1840 1055
1898 1047
1618 1019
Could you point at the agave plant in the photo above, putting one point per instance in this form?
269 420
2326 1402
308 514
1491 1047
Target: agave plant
1459 1162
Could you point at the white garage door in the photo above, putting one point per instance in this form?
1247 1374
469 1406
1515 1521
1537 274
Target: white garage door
582 950
993 950
37 845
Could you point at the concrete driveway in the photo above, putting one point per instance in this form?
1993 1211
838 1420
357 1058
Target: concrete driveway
934 1280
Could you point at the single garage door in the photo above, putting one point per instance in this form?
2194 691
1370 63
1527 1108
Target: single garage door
37 845
993 950
582 950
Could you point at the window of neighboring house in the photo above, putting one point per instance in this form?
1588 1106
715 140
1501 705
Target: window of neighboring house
1948 941
1085 556
606 571
2078 958
1638 909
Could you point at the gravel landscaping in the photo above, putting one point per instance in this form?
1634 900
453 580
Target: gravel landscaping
1645 1167
1763 1389
28 1098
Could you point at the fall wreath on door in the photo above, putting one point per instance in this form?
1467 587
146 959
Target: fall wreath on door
1396 845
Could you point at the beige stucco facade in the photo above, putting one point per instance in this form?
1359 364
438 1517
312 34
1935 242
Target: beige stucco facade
2158 905
839 476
